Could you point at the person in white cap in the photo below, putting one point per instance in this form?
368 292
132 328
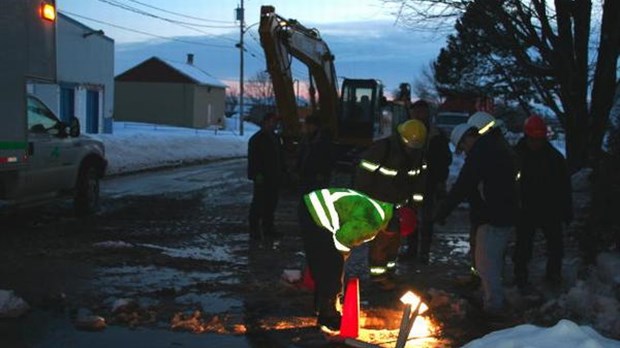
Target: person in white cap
489 171
487 126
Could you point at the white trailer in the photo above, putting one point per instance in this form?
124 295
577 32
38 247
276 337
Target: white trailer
40 156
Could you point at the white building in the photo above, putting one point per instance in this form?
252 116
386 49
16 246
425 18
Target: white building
85 76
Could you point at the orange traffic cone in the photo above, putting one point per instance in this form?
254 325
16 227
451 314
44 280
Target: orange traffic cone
350 324
307 281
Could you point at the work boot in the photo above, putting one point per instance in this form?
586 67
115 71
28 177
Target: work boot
522 283
332 323
423 259
328 315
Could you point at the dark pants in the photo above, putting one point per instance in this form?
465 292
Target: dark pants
384 248
262 210
525 244
420 241
326 263
472 243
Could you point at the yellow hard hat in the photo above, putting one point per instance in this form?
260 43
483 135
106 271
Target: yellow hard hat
413 133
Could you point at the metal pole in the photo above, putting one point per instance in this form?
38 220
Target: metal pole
241 18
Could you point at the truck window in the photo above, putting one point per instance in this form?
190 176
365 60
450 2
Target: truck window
40 118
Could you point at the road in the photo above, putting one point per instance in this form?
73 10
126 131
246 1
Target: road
173 245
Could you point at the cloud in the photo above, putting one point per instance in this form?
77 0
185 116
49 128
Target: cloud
369 49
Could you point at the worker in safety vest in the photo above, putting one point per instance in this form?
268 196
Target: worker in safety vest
333 221
393 170
438 157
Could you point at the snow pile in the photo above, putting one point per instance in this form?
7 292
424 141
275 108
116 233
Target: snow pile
564 334
11 305
595 300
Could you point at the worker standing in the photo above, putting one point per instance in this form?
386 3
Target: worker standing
392 170
315 160
438 158
333 221
547 202
489 168
265 169
489 127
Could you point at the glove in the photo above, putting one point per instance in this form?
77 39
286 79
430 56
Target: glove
408 220
259 179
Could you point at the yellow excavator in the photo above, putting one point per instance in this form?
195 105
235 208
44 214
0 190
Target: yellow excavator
356 116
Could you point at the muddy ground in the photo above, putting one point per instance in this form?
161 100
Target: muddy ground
174 269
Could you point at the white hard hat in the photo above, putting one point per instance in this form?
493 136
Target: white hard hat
457 134
482 120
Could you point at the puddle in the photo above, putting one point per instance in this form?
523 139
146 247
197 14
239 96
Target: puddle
47 330
215 302
129 281
458 246
207 247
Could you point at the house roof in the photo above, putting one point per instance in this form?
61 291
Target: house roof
195 73
150 70
84 26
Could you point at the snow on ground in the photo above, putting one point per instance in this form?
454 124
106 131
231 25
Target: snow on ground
564 334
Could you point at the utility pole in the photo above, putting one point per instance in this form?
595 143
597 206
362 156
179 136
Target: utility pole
241 19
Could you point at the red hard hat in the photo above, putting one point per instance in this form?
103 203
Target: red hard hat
535 127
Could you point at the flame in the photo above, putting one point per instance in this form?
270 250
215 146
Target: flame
422 327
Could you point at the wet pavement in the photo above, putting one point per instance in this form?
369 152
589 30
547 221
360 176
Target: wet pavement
166 263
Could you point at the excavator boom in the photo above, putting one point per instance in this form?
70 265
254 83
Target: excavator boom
282 39
355 117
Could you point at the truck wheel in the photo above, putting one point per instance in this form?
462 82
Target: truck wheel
87 191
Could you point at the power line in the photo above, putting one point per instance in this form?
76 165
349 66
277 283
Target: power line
136 10
145 33
179 14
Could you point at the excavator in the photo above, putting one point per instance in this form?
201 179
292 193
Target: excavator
356 116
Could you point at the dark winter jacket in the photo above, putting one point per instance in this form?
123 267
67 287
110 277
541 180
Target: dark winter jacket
265 160
546 192
490 168
438 158
388 173
315 161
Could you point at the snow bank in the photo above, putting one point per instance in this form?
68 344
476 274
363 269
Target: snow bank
595 299
564 334
136 146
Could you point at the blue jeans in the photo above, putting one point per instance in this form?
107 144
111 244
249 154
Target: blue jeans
491 242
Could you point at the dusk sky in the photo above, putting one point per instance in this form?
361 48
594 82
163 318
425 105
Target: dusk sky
213 16
362 34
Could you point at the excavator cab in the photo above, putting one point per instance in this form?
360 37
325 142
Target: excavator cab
361 121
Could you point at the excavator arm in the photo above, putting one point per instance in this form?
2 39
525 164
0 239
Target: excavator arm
283 39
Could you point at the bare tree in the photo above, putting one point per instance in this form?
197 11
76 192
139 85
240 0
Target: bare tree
550 43
424 86
260 90
231 102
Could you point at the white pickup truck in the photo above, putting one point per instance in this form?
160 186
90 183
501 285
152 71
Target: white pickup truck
58 162
40 156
